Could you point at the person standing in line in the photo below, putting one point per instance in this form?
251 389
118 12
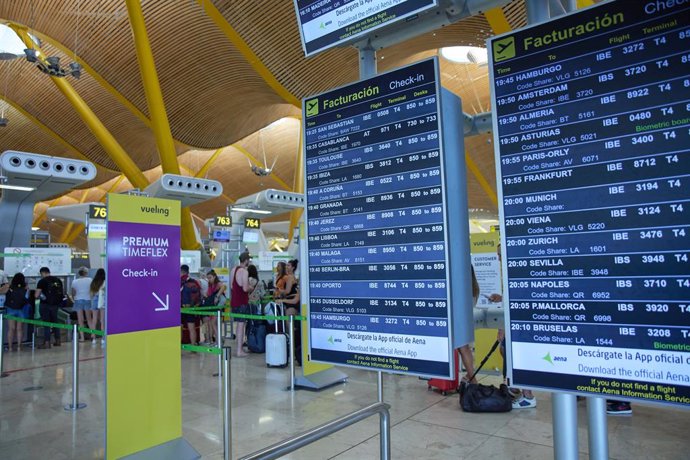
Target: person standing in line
281 279
190 292
523 399
466 350
239 299
291 287
82 300
17 304
51 294
255 290
214 292
97 290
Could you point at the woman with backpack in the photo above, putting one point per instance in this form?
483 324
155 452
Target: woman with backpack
215 295
97 290
17 303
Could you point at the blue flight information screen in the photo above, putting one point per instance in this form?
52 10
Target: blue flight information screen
592 128
376 239
324 24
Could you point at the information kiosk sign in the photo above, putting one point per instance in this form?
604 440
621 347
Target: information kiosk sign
377 239
324 24
592 129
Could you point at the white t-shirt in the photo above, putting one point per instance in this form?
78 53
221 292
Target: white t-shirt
82 289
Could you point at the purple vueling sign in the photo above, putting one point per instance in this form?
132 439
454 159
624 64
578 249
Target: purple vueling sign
143 271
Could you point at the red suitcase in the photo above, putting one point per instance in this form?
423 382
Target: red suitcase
445 386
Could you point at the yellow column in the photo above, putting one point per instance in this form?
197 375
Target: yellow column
204 169
159 117
111 146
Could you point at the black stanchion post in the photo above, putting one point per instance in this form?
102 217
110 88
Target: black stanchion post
75 405
227 414
2 347
292 353
219 340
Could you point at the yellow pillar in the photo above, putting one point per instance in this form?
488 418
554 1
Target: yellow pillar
204 169
68 228
159 118
111 146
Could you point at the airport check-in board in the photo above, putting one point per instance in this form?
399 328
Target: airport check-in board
592 130
377 274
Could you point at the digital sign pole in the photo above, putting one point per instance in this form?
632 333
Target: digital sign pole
383 199
324 24
592 131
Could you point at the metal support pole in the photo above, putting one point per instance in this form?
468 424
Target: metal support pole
76 405
2 345
384 422
367 62
219 339
537 11
570 5
564 413
598 430
227 414
292 353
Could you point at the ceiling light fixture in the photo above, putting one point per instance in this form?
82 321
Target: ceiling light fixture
465 54
51 65
17 187
255 211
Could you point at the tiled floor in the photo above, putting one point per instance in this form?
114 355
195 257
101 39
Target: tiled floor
426 425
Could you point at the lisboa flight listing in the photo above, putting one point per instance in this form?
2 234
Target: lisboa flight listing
375 217
593 130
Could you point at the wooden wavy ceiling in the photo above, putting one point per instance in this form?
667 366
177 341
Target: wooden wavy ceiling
214 97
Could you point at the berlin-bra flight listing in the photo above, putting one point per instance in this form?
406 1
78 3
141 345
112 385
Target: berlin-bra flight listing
593 135
375 217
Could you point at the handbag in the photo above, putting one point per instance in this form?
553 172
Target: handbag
475 397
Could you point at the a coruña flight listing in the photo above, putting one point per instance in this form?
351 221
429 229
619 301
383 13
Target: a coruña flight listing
592 129
376 239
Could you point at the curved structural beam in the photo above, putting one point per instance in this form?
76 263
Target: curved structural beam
152 90
472 166
204 169
253 60
52 133
114 149
95 75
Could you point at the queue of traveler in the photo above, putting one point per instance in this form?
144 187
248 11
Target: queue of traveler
244 294
87 297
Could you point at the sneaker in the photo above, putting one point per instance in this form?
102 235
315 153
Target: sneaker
93 341
618 408
102 342
524 403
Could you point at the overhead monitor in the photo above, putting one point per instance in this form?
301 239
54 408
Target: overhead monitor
592 135
385 201
250 236
324 24
221 236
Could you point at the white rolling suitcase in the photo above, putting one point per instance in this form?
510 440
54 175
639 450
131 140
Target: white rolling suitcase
277 344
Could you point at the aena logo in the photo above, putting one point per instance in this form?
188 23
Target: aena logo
549 359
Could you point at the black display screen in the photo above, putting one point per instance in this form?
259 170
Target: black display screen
592 131
376 237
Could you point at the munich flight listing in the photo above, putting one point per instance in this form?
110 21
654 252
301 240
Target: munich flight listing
592 131
376 238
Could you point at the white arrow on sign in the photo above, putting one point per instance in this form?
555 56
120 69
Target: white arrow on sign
164 305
